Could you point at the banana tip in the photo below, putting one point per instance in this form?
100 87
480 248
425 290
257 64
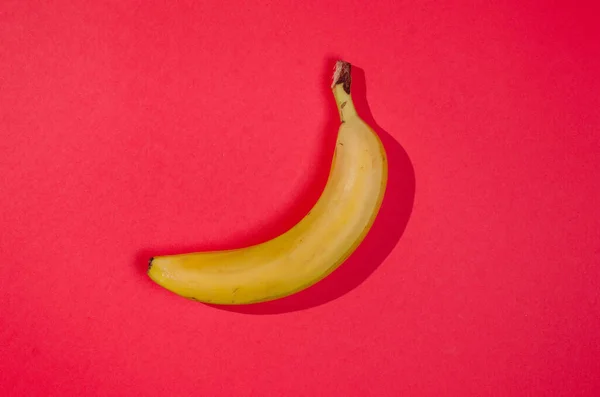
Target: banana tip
150 263
342 75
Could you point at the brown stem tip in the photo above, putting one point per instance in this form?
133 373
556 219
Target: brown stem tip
150 263
342 75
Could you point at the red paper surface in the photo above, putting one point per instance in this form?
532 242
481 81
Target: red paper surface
137 128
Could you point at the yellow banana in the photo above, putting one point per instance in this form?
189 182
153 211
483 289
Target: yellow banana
310 250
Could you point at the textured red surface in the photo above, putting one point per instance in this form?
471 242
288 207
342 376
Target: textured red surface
130 129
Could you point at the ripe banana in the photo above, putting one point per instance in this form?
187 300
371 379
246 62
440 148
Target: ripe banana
310 250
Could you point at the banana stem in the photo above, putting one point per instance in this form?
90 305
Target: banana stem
341 87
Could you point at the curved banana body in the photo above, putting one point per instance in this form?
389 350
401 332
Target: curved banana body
310 250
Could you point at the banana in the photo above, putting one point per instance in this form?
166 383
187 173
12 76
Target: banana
315 246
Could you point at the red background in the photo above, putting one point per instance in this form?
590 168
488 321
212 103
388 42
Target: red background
135 128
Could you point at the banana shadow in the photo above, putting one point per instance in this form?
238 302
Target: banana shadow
383 237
